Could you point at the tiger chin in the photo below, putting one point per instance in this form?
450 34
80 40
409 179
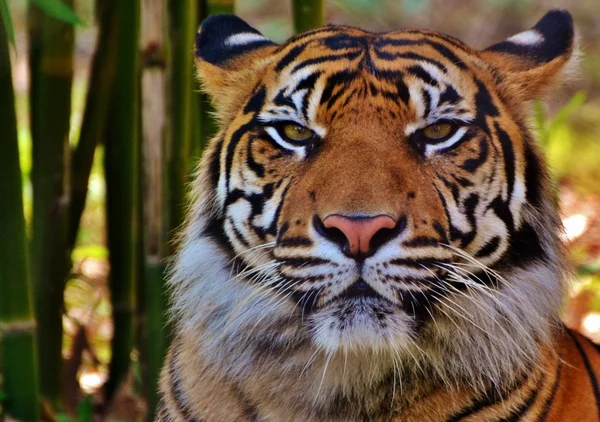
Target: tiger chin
372 234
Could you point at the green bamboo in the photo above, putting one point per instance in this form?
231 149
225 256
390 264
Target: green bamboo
217 7
95 114
121 163
51 68
17 322
182 29
308 14
156 121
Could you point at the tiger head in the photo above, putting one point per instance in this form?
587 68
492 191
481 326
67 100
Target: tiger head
375 192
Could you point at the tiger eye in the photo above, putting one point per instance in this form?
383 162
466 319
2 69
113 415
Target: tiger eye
297 133
438 130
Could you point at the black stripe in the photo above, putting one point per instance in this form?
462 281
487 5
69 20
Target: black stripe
387 56
450 96
469 205
326 58
257 101
177 393
504 213
272 229
306 262
533 174
240 238
421 73
550 400
487 399
447 53
253 165
308 84
489 248
427 102
215 163
290 57
472 164
292 242
387 42
524 247
417 263
509 159
484 104
214 230
233 142
516 414
588 368
421 241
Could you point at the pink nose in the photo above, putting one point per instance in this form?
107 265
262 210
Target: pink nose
359 231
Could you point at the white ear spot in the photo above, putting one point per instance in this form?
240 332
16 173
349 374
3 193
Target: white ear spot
243 38
531 37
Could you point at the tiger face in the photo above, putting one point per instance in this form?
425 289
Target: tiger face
375 191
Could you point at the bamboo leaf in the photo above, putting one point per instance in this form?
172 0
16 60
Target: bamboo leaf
85 410
59 10
61 417
7 20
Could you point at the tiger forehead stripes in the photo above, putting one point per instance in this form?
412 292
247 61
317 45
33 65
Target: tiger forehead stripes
372 234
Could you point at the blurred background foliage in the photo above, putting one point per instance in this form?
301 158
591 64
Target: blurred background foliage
567 124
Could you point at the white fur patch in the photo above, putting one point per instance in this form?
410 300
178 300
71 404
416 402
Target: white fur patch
531 37
243 38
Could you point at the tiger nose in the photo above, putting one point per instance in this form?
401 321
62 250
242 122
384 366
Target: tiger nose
356 235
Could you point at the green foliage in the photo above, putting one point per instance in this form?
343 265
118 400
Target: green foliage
54 8
62 417
85 409
59 10
569 140
6 19
549 130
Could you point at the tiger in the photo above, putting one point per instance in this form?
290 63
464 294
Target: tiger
373 235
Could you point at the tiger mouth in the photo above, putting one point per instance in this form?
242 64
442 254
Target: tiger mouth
358 292
359 289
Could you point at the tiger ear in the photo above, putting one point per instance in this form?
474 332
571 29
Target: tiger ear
229 55
531 61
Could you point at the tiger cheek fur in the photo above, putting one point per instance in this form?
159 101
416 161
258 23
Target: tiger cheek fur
372 235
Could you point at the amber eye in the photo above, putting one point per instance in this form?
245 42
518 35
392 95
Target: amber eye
296 132
438 130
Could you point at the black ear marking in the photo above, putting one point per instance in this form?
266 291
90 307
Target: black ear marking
224 37
550 38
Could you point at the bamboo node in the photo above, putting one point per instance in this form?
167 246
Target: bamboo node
15 327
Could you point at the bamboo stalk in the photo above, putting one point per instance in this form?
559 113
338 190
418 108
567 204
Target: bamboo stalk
121 164
308 14
182 29
17 322
95 114
216 7
51 68
155 136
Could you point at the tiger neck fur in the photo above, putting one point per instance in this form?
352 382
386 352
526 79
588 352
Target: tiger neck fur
230 333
